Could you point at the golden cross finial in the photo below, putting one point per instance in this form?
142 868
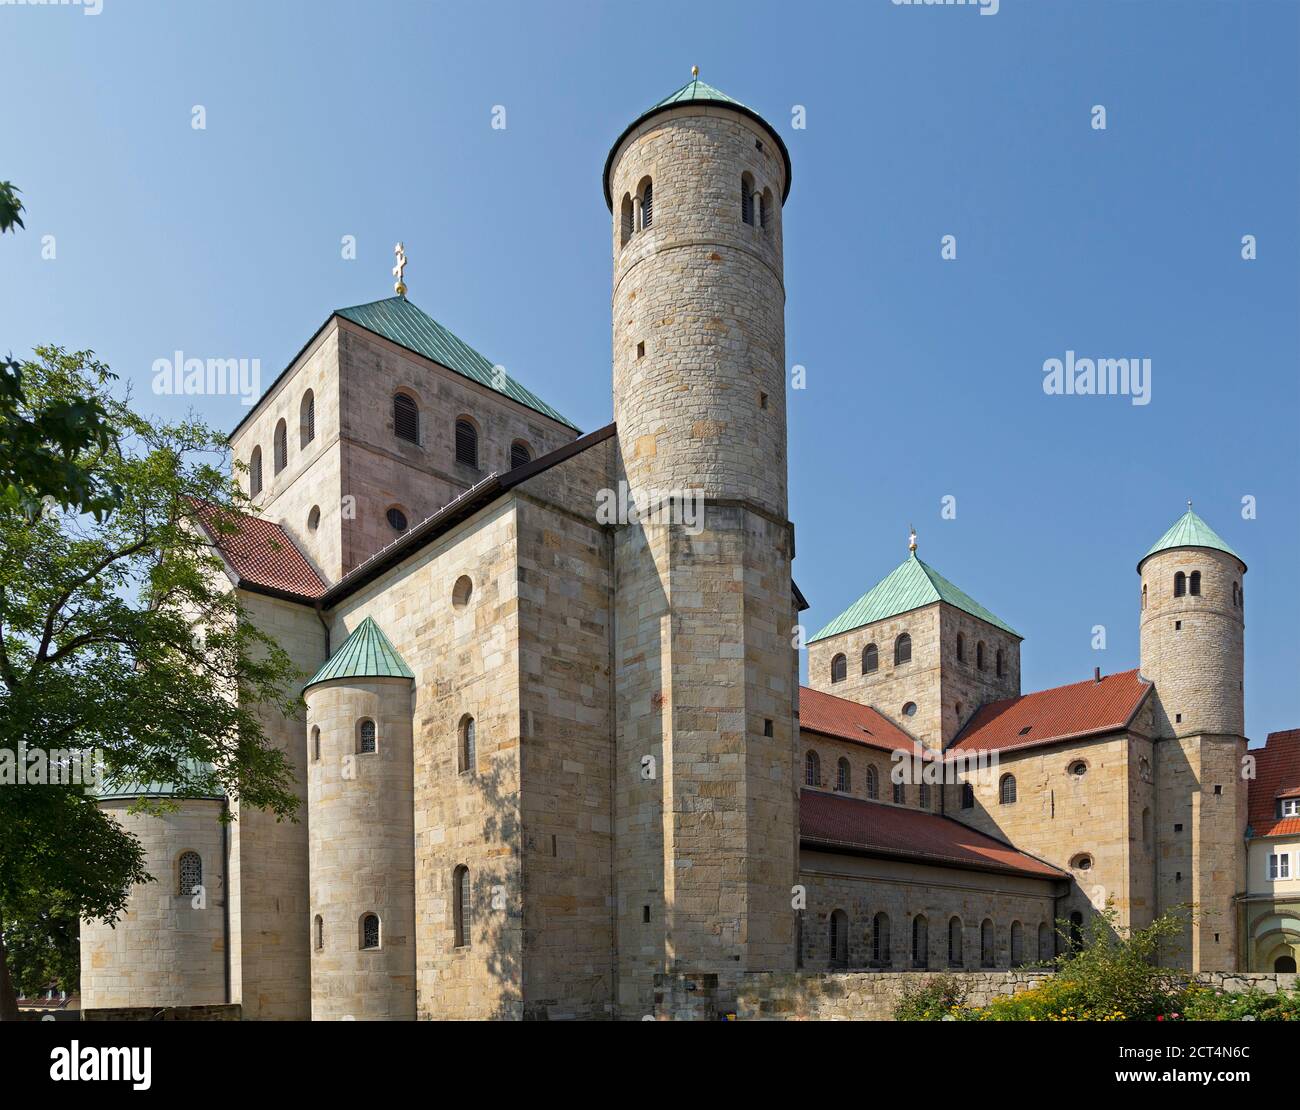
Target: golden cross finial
400 287
695 72
911 540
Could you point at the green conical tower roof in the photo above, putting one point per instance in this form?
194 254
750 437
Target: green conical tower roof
909 586
696 91
1189 530
367 653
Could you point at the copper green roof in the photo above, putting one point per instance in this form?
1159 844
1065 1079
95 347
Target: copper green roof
909 586
1189 530
108 790
696 91
398 319
367 653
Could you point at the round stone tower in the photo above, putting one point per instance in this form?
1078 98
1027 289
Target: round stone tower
705 673
1192 630
1191 649
361 832
170 946
696 187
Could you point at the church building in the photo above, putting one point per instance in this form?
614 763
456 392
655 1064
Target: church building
547 757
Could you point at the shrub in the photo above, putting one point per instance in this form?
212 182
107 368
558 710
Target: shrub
932 1000
1206 1004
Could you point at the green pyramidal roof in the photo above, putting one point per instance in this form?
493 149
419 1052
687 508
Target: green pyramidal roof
1189 530
907 587
696 91
398 319
367 653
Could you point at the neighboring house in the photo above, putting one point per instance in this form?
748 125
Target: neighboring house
1270 909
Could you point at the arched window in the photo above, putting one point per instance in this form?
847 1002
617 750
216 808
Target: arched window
903 649
1044 943
870 659
967 796
923 795
1017 944
315 743
1194 584
460 906
1180 584
462 591
998 663
189 873
880 940
647 203
1076 930
899 796
468 758
626 228
812 769
839 668
979 656
313 518
1007 790
920 941
746 199
988 948
318 933
1236 594
370 930
520 454
838 945
307 419
1284 965
954 942
1144 595
281 444
961 648
843 776
255 472
406 418
366 736
466 442
873 783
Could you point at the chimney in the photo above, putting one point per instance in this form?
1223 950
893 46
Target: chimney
1096 674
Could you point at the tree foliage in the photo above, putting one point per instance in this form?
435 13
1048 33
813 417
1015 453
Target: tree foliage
119 634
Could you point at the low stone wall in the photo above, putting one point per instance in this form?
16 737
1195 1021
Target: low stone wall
860 996
164 1013
1234 982
871 996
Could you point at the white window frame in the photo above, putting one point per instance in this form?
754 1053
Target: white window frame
1291 807
1279 866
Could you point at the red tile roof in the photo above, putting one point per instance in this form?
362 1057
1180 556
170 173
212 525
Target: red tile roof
1048 716
260 552
847 720
834 821
1277 775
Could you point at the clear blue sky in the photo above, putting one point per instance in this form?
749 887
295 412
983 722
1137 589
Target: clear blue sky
924 376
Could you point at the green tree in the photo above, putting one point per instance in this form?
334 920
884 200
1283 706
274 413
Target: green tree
44 444
119 634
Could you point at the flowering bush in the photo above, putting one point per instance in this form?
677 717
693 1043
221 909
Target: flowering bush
932 1000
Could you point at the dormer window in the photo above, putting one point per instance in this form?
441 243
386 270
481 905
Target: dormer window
1290 807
